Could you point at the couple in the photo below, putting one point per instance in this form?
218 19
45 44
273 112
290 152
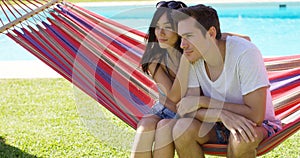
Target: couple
233 105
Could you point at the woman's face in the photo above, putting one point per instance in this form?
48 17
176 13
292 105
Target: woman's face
164 33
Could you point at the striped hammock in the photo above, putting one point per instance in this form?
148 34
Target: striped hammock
101 57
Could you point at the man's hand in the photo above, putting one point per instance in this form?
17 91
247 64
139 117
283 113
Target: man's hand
239 126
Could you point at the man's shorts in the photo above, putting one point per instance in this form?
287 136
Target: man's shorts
162 111
272 127
223 133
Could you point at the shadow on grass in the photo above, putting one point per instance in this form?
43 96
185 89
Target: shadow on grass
7 151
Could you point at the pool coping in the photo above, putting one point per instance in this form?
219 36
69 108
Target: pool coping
26 69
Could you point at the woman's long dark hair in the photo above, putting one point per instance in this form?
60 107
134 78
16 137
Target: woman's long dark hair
153 51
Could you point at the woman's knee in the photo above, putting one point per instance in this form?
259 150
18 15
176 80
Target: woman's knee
163 133
164 128
147 123
166 123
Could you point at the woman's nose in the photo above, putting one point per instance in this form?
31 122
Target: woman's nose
161 31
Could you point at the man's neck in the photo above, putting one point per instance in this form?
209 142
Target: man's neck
217 53
215 64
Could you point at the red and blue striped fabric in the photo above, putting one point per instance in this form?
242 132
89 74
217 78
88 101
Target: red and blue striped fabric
101 57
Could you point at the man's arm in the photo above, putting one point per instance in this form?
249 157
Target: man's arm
254 106
239 119
239 126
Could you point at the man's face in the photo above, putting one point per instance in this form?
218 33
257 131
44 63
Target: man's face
193 43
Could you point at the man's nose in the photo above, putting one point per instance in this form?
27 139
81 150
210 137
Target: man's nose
183 43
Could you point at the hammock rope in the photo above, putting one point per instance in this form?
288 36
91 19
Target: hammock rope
22 18
101 57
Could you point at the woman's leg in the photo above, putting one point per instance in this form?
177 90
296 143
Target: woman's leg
144 138
164 145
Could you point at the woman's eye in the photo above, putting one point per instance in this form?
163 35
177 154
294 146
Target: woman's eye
168 28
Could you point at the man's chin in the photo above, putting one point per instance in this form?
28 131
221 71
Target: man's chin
190 58
192 61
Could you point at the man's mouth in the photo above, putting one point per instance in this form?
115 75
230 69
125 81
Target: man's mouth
188 52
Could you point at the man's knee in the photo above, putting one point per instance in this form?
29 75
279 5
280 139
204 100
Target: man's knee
261 134
242 148
183 130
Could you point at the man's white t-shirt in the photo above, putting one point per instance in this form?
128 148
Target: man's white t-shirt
244 71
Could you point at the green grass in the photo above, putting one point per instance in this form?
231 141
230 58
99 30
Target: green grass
45 118
39 118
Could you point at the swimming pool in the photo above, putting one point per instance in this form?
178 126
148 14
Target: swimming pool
273 27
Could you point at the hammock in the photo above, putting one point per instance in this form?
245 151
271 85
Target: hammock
101 57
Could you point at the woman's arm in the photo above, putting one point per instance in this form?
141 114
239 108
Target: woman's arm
174 91
224 35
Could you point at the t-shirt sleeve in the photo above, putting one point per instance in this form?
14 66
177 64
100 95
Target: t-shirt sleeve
193 79
252 71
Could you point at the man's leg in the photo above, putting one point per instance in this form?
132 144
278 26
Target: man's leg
189 134
143 141
163 145
243 149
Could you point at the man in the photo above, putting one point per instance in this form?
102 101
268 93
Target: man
235 84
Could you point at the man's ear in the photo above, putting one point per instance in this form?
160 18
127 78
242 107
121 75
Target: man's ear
212 32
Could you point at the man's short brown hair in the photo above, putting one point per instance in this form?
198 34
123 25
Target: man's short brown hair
206 17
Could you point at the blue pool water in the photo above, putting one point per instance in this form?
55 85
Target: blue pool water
274 29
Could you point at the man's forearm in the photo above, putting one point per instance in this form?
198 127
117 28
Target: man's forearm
207 115
240 109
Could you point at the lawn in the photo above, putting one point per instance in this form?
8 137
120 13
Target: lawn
43 118
39 117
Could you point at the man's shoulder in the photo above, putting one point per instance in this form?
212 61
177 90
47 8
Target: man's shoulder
238 46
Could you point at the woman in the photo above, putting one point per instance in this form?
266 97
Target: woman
162 60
